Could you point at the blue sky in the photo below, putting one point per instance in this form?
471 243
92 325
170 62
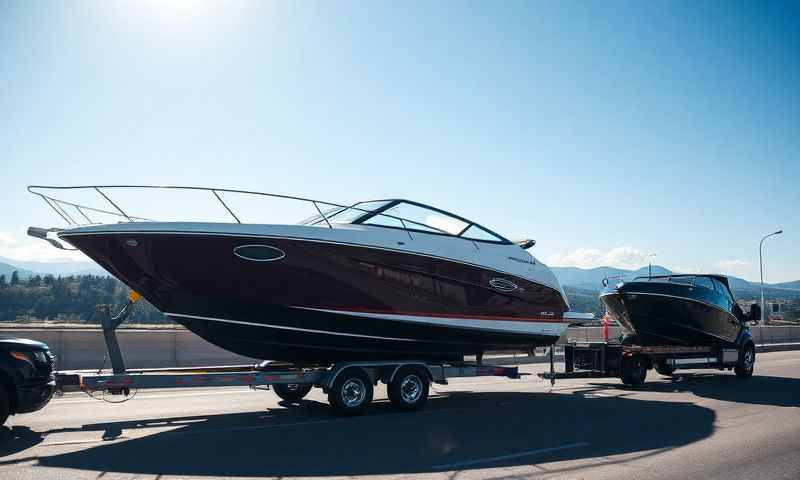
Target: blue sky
604 130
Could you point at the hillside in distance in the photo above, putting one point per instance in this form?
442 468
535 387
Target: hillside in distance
590 280
57 269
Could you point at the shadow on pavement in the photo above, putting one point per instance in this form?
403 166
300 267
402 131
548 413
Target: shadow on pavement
456 431
17 439
758 390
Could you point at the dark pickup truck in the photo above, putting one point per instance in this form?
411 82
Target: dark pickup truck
27 381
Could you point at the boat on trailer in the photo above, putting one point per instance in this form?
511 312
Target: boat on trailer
678 309
387 279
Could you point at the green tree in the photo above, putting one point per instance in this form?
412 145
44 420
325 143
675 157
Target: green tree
3 282
14 277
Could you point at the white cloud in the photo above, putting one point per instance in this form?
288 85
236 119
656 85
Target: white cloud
28 249
734 267
620 257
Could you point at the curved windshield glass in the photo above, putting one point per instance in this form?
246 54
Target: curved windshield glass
341 215
416 217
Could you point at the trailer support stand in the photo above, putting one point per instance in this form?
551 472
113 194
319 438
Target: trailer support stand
110 325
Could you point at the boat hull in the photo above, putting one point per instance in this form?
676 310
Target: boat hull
664 314
318 302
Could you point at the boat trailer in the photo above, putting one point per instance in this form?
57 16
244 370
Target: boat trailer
349 385
630 363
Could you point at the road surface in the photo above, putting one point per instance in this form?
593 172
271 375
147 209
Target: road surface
701 424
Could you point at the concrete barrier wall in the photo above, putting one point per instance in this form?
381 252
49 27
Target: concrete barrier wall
85 349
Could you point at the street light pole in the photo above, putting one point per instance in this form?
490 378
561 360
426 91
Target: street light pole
650 264
761 268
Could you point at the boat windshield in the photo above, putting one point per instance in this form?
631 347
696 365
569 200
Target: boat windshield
682 279
341 215
405 215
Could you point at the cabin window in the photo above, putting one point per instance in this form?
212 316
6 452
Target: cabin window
703 282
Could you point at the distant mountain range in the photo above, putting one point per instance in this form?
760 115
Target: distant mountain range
591 279
64 269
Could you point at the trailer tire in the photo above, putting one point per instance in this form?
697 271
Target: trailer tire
351 392
292 392
408 390
5 405
747 360
633 370
663 369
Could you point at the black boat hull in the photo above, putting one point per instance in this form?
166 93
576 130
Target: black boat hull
663 314
324 302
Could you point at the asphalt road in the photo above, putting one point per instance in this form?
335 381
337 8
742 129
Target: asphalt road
697 425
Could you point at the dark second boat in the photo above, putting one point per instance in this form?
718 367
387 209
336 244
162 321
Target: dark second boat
677 310
389 279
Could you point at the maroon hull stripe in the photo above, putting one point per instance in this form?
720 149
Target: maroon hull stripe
438 315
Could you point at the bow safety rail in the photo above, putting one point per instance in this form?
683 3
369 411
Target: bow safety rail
328 214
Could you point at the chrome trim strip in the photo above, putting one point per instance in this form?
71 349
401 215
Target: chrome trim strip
349 244
283 327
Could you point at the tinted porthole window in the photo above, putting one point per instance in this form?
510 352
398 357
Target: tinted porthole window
259 253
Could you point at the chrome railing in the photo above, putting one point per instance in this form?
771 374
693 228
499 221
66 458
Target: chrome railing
69 211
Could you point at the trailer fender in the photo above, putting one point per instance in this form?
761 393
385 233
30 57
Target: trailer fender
420 366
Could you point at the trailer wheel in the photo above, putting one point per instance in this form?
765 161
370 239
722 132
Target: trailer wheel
292 392
351 392
663 369
633 370
5 405
747 360
408 390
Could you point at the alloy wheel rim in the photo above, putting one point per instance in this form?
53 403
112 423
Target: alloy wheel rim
411 389
353 392
748 359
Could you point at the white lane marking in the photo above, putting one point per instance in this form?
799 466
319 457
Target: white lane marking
283 327
466 463
78 442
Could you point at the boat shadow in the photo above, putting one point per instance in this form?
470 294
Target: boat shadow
757 390
456 431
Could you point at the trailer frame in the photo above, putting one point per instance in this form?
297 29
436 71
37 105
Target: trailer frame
407 380
630 362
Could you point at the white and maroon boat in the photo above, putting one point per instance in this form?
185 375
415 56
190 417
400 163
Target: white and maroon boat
388 279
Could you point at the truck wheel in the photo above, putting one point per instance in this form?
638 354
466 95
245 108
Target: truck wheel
408 390
747 360
5 405
663 369
633 370
351 393
292 392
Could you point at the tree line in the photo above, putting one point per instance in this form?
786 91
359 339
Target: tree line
71 298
